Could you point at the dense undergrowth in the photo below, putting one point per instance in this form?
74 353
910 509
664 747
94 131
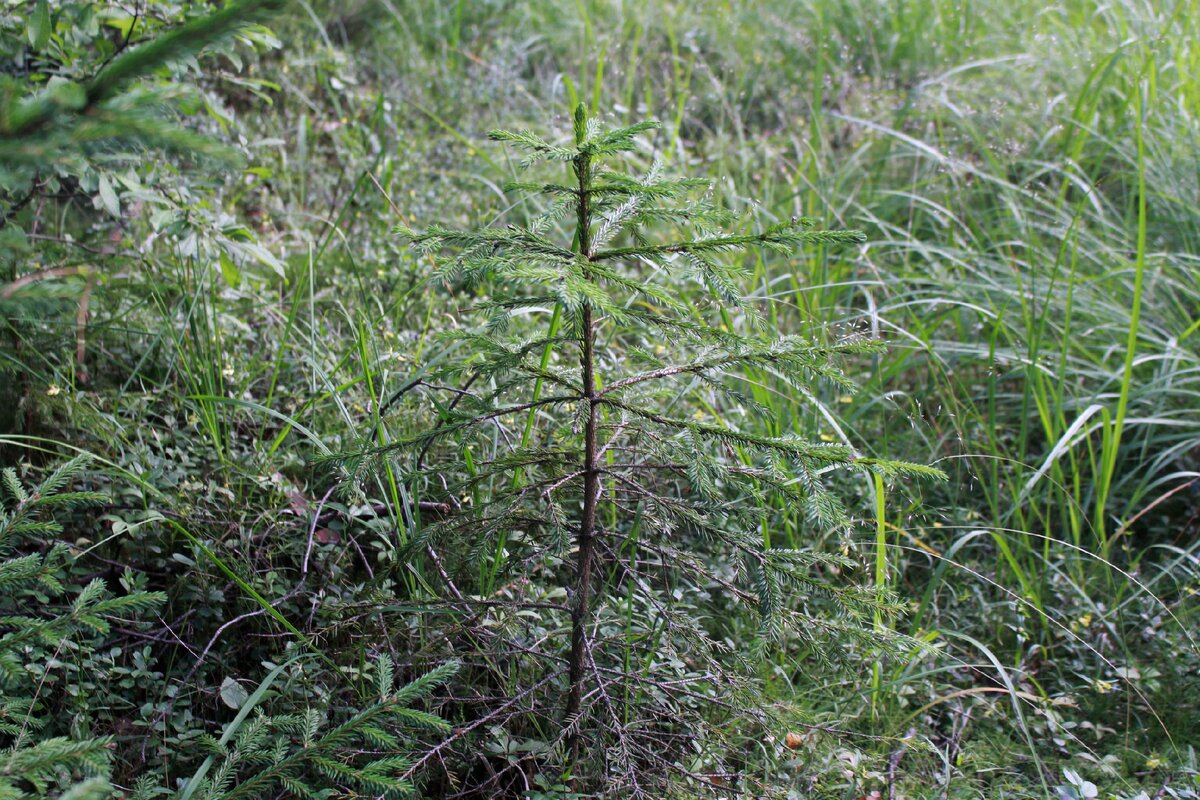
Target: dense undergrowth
216 310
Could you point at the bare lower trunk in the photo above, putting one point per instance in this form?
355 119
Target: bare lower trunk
581 613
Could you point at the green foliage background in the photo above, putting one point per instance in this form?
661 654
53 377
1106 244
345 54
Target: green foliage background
1026 177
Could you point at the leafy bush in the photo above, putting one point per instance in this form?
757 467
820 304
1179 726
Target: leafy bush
91 98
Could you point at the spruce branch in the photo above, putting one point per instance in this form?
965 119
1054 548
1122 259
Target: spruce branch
787 234
183 42
788 352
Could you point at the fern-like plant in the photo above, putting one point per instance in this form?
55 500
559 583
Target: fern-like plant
303 755
624 463
318 753
39 625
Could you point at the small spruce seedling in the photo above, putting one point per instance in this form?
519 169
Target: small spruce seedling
594 453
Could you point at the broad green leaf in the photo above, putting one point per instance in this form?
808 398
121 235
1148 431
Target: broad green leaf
264 256
233 694
233 276
108 197
39 26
